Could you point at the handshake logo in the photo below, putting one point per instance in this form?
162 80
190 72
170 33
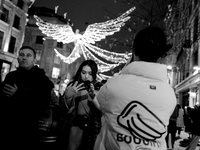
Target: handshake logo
141 123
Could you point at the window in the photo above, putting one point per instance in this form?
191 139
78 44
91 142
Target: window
20 4
195 34
39 40
187 65
59 44
195 58
38 54
12 44
4 15
16 22
56 60
1 38
4 70
55 72
195 2
190 9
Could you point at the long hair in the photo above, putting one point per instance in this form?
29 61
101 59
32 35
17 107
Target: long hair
92 64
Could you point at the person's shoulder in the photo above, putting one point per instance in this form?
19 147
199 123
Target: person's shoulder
41 76
121 78
113 83
12 73
38 70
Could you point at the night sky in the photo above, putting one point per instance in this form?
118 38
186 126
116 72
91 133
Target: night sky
83 12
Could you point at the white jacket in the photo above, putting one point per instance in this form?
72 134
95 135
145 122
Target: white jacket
137 105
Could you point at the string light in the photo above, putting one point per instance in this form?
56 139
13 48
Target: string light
84 43
103 76
109 56
103 66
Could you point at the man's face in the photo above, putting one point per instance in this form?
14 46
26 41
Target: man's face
26 59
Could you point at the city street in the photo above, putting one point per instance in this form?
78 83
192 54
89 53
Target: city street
180 144
183 142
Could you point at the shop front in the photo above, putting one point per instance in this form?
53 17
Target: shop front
5 67
189 90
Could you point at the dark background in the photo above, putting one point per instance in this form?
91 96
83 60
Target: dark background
84 12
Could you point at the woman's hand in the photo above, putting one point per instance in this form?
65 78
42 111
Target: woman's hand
73 89
92 91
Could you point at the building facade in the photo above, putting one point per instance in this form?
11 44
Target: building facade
183 29
57 70
13 19
18 27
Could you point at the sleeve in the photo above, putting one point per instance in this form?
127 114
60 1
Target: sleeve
101 97
10 79
64 106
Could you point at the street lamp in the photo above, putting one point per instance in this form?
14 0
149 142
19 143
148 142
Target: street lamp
196 69
169 67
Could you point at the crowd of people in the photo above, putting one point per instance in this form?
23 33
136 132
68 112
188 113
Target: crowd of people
191 120
132 110
183 120
24 93
176 125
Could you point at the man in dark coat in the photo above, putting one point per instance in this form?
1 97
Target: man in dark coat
25 92
171 129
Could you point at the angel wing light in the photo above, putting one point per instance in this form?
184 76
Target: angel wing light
84 43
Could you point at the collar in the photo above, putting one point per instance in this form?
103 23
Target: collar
147 70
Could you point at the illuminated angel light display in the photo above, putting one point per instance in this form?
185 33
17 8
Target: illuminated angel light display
84 43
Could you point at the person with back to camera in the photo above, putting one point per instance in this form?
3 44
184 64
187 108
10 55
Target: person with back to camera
180 121
138 103
82 121
25 92
172 129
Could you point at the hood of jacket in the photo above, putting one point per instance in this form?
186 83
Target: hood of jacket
147 70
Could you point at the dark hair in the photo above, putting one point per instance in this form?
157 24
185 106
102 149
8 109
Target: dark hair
179 106
92 64
28 47
150 44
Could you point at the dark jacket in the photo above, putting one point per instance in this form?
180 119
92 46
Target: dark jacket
172 120
195 126
21 111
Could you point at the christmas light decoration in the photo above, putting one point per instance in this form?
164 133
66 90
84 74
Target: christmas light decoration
103 76
84 43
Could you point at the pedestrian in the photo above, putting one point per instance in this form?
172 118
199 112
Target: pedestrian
195 121
188 120
82 120
137 103
172 129
24 93
195 139
180 121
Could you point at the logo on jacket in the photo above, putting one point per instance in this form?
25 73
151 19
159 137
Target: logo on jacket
144 126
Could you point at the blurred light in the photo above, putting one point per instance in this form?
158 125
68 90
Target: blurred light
196 68
169 67
66 81
192 94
